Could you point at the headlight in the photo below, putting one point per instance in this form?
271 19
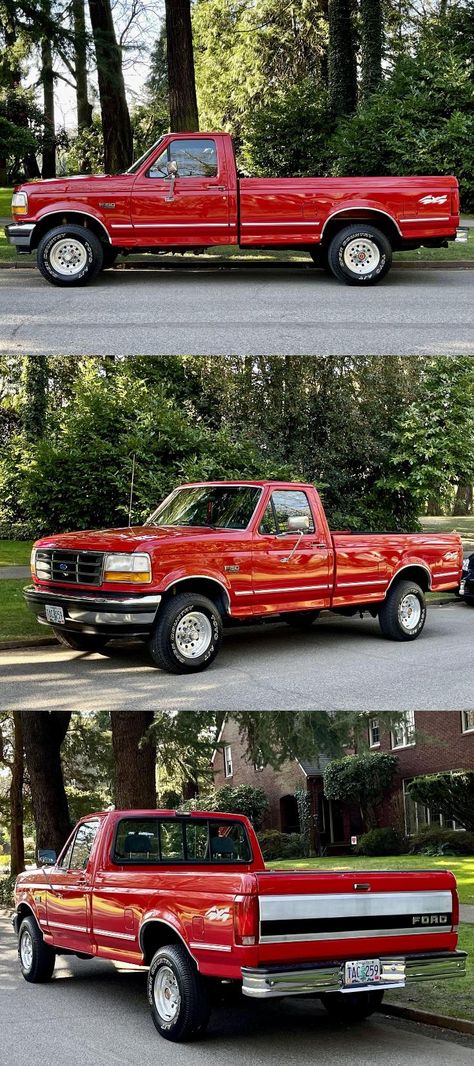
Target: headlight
120 567
33 562
20 203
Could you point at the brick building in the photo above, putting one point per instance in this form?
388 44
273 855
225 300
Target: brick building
425 742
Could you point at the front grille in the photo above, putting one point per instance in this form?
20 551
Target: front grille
69 567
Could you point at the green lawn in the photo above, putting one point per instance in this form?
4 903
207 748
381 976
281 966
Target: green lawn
454 998
461 866
15 552
454 251
16 619
439 524
5 202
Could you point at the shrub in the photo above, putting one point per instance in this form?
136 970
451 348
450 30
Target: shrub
451 792
277 845
243 799
381 842
363 779
434 840
7 885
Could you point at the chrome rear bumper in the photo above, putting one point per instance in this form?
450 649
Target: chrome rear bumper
261 983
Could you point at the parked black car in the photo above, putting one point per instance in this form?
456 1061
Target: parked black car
466 588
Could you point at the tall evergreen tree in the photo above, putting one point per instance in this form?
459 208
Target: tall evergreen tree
371 43
44 733
342 70
181 81
35 385
116 127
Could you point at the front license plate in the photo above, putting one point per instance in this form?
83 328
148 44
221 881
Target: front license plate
362 972
55 614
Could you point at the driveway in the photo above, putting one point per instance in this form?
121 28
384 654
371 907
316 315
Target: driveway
96 1014
262 311
340 664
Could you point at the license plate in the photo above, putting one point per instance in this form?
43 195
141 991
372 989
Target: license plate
362 972
55 614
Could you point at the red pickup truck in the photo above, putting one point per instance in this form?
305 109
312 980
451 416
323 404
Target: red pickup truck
184 194
189 897
215 552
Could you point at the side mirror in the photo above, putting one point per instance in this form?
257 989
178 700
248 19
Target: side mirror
172 168
298 524
46 857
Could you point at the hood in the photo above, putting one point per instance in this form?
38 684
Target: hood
128 539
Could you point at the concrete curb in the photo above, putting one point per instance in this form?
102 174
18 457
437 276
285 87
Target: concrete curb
441 1021
28 642
230 264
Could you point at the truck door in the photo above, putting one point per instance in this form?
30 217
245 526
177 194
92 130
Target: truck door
182 198
69 892
291 570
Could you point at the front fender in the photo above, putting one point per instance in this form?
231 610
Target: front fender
63 207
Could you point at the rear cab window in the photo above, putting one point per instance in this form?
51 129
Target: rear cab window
169 841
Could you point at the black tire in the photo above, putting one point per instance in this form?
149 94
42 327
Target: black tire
172 968
37 959
110 255
352 1006
301 619
80 641
469 601
372 243
167 642
393 610
92 256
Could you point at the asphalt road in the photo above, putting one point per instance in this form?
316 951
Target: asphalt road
340 664
258 311
96 1014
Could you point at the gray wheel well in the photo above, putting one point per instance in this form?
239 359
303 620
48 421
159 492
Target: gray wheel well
414 573
61 218
206 586
155 935
374 218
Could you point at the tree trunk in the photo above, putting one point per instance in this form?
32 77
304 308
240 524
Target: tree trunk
342 70
463 501
47 77
16 800
371 39
135 765
84 108
35 386
43 734
181 81
116 128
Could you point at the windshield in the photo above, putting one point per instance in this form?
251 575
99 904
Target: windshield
217 506
136 166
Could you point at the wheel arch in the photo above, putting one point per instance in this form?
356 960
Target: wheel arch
348 215
76 217
25 910
418 572
211 587
155 932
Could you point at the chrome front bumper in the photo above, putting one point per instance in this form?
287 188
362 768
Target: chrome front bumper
112 614
314 979
20 234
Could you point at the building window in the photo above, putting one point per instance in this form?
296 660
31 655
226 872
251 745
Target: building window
374 733
467 721
228 769
418 817
403 733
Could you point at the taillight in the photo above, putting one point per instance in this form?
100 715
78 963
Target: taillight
246 920
454 201
455 918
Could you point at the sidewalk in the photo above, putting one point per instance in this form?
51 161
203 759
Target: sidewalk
12 573
466 913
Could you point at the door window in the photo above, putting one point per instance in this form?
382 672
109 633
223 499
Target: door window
285 504
82 845
196 158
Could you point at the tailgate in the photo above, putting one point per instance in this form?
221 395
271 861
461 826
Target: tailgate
306 916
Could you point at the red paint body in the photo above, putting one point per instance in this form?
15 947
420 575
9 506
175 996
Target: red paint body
136 211
327 570
103 909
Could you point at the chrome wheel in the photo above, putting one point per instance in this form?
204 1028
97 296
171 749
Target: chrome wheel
361 255
26 950
68 257
193 634
166 994
409 611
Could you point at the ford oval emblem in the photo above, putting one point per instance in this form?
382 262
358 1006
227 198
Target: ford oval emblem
63 566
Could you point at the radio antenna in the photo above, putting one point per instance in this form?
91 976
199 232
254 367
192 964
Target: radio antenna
131 491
